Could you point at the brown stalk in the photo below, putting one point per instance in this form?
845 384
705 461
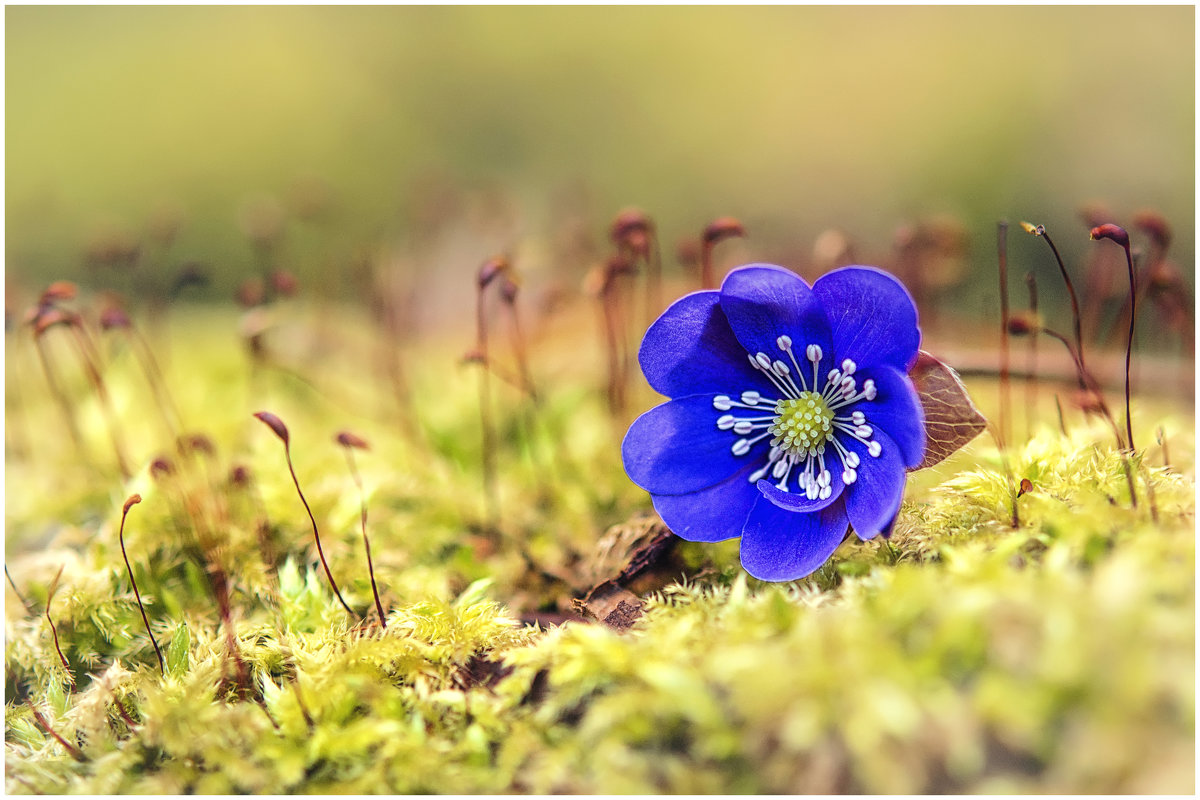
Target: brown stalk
74 751
130 503
29 608
1003 423
1117 234
487 274
280 430
1040 230
53 630
1031 381
91 362
715 232
349 443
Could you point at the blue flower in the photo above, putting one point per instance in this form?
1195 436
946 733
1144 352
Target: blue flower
792 416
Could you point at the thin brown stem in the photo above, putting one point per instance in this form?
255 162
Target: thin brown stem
1075 316
130 503
1003 424
21 597
287 451
366 542
1031 381
1129 344
74 751
53 630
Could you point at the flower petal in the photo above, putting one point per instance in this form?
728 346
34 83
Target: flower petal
676 447
713 514
691 349
780 545
763 302
795 499
871 316
873 500
896 410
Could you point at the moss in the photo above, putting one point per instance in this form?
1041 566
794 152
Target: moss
963 655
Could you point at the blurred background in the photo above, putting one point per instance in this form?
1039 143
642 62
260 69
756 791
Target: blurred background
175 139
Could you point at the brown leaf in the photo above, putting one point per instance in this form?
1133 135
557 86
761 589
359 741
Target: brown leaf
951 419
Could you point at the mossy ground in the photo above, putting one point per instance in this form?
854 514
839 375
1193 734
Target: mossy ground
962 656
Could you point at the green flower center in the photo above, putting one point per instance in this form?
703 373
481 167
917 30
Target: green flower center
802 424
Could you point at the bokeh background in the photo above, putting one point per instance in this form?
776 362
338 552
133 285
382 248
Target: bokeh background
518 128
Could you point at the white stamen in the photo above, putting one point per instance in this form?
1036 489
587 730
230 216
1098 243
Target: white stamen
813 352
858 418
784 342
848 367
834 376
742 427
726 422
851 459
869 389
741 447
751 398
763 360
780 468
874 448
849 476
825 492
722 402
781 368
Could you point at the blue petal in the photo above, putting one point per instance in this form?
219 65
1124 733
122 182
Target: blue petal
871 315
896 410
763 302
795 499
779 545
676 447
691 349
713 514
873 500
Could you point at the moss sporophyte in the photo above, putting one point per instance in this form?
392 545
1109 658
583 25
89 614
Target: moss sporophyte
792 415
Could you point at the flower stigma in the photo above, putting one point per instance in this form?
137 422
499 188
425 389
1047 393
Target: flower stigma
802 424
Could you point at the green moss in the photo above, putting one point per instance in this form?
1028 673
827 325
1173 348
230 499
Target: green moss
963 655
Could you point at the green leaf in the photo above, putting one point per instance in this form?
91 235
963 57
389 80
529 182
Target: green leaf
177 652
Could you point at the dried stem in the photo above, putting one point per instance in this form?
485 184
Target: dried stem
130 503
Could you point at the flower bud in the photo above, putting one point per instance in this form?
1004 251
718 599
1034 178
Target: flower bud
1024 324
